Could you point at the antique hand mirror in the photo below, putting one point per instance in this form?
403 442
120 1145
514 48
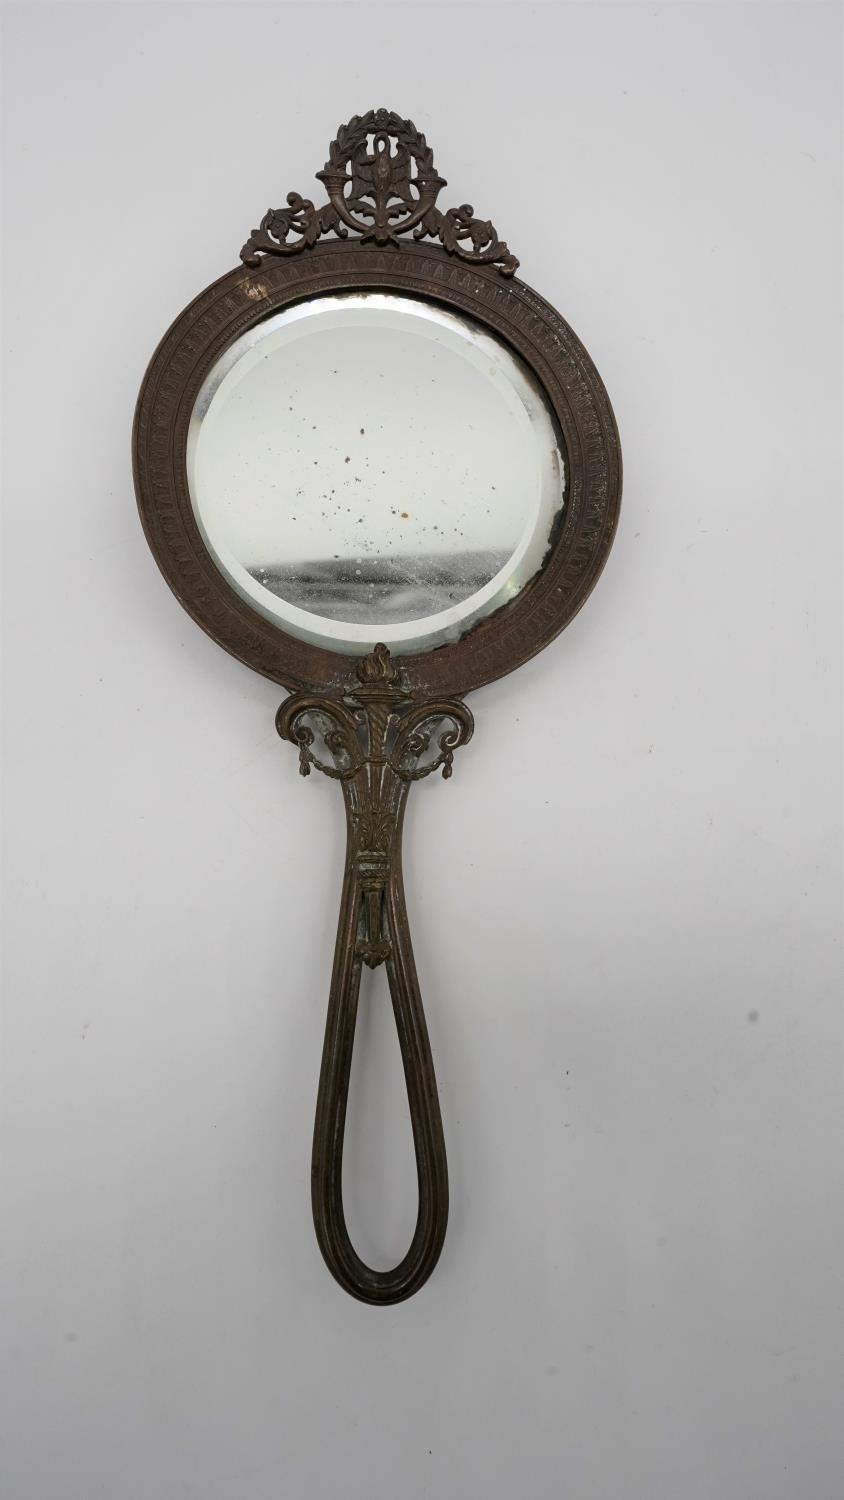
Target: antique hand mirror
382 471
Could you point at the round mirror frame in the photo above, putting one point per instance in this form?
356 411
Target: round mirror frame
510 311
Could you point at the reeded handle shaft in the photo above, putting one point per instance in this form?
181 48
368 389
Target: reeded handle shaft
373 928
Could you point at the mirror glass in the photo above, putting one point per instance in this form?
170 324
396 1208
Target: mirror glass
371 467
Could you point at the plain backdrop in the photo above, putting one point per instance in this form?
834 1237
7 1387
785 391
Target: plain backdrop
627 903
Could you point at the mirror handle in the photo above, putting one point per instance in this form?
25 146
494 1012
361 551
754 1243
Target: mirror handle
373 928
379 741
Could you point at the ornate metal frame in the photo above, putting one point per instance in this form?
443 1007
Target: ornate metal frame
379 193
390 721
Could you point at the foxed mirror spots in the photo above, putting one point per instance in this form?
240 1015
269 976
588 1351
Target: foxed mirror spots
371 467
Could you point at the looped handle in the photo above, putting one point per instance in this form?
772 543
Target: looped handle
354 938
378 741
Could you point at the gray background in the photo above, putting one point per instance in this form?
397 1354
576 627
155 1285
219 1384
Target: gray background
626 905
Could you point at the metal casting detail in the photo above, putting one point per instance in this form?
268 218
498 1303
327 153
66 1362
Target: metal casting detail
379 190
379 740
393 721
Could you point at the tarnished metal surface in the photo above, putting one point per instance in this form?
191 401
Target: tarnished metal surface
378 728
377 742
381 182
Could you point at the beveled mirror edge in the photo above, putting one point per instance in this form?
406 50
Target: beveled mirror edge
510 310
444 620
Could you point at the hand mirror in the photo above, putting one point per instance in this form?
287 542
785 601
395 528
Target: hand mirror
381 471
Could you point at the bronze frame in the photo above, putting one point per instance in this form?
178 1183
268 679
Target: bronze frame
378 719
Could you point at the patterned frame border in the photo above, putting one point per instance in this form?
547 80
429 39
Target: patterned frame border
508 309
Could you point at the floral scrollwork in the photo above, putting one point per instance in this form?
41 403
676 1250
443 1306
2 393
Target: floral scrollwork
416 732
339 728
381 182
380 740
374 722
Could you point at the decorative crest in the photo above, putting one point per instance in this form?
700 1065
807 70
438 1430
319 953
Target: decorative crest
380 190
